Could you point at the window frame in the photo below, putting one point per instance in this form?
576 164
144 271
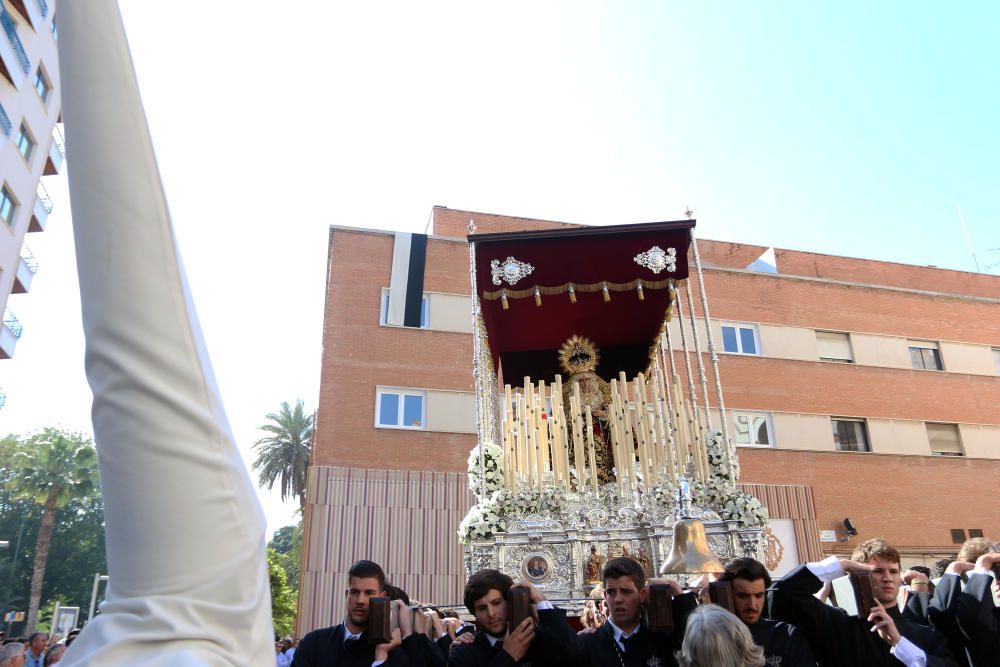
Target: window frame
853 420
958 436
750 414
913 344
42 75
835 360
739 339
383 312
24 132
996 359
401 392
7 196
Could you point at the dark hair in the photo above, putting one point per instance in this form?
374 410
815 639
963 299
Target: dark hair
922 569
939 567
624 567
483 582
366 569
396 593
36 634
746 568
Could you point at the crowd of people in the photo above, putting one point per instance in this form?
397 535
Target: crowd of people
37 650
917 619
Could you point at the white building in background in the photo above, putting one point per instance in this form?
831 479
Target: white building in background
30 146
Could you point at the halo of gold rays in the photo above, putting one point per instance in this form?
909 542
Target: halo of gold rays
578 355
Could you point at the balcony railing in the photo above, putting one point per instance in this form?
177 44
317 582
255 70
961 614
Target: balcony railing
43 8
5 125
3 399
44 198
57 139
10 27
12 323
29 259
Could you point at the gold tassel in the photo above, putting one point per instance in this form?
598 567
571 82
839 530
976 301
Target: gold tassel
538 296
503 300
638 286
607 295
572 293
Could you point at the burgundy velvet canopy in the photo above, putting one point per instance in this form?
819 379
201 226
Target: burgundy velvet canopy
525 338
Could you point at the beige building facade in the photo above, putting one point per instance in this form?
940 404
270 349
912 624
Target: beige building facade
31 147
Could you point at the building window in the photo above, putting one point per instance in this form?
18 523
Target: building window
25 144
425 316
925 355
8 206
944 439
957 535
996 359
400 408
752 429
740 339
42 84
850 435
834 346
975 532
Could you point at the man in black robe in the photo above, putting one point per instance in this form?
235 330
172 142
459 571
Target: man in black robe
346 644
550 643
783 643
975 613
625 640
880 637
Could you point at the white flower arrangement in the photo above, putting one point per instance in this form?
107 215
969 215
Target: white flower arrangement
664 495
483 521
719 492
552 501
493 462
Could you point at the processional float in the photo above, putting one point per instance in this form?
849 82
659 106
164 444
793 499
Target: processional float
596 438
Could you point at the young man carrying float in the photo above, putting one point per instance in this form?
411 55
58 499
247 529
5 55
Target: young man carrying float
882 637
547 644
624 639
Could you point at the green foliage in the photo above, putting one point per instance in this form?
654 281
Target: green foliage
287 542
283 456
54 460
77 546
283 599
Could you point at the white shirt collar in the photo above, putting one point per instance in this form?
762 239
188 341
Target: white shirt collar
492 640
349 635
619 634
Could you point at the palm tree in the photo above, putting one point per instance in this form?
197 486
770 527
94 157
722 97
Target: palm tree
284 454
51 468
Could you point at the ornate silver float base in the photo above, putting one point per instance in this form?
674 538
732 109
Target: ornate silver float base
561 560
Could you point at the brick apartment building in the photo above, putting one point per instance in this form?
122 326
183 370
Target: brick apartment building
856 388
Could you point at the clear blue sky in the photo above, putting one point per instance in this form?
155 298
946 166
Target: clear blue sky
843 128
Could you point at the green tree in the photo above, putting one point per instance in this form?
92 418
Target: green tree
51 468
287 542
283 455
283 598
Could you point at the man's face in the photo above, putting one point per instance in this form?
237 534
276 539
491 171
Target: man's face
749 599
359 591
38 644
491 612
624 600
886 580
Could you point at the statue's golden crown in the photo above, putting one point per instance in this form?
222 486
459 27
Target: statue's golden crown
578 355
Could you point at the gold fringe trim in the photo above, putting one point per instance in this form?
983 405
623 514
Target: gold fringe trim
562 289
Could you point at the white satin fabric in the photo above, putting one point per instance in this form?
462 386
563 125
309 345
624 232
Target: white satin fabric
185 532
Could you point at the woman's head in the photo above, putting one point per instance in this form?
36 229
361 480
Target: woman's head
716 638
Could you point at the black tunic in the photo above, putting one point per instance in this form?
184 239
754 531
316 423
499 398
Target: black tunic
325 648
979 620
553 645
837 639
783 644
646 647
